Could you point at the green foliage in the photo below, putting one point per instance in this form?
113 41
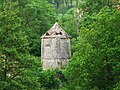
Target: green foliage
117 86
15 60
68 22
94 6
49 79
38 16
95 64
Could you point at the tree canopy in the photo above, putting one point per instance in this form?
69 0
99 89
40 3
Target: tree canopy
95 31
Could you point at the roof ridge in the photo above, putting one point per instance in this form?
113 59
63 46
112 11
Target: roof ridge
56 30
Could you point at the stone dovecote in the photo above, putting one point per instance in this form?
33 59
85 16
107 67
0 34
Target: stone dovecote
55 48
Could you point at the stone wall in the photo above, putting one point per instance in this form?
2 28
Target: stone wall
55 52
54 63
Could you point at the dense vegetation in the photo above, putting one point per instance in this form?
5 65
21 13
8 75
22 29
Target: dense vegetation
94 26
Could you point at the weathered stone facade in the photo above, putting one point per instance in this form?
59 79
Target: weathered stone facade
55 48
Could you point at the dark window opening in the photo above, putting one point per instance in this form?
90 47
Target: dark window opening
59 63
48 45
47 34
56 33
60 33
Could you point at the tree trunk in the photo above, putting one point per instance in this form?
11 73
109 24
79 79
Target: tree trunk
5 70
76 2
57 6
66 3
70 3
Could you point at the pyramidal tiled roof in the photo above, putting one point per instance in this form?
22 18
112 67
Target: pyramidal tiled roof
56 31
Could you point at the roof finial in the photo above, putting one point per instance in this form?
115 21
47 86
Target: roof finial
56 23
